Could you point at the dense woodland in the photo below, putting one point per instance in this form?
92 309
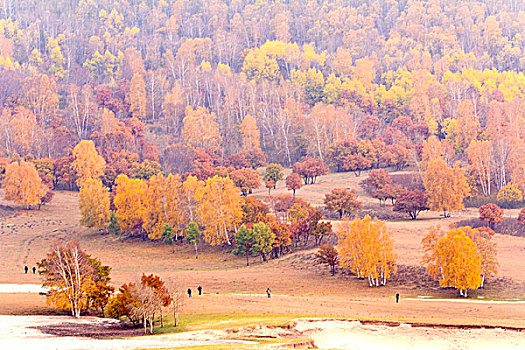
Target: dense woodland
137 103
163 80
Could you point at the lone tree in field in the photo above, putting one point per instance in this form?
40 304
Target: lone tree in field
453 259
23 185
365 247
446 187
73 277
328 255
412 203
491 213
310 168
274 172
343 201
293 182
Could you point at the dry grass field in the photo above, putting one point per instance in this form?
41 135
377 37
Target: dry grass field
300 286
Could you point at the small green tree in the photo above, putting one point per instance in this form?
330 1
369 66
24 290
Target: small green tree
114 225
245 240
193 236
274 172
167 236
263 240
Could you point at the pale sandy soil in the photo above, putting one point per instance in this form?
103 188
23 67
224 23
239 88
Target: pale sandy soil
17 332
355 336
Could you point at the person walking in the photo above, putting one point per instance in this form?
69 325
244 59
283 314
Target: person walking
26 268
34 270
189 292
397 297
199 288
268 291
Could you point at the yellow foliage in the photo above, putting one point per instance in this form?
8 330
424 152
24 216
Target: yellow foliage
87 164
461 258
22 184
130 203
366 247
250 133
446 187
93 202
220 209
201 128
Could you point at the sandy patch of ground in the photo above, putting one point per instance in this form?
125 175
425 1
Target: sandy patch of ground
334 334
26 332
6 288
21 332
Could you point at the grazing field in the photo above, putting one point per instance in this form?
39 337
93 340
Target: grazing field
300 286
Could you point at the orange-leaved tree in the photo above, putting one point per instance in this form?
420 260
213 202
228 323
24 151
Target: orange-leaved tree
23 185
88 163
93 202
130 203
491 213
446 187
220 209
343 201
366 247
293 182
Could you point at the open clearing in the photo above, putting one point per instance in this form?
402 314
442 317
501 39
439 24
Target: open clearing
300 286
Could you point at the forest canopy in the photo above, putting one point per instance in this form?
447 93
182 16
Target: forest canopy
191 84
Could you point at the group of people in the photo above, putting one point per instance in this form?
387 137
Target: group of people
27 269
199 289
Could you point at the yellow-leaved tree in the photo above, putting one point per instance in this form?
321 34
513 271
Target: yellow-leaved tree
23 185
130 203
162 205
459 258
190 197
88 164
446 186
201 129
137 96
250 133
220 209
93 202
365 247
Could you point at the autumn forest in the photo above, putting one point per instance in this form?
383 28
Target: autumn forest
167 115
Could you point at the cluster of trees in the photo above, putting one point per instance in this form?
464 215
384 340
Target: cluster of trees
366 247
461 258
186 85
79 283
